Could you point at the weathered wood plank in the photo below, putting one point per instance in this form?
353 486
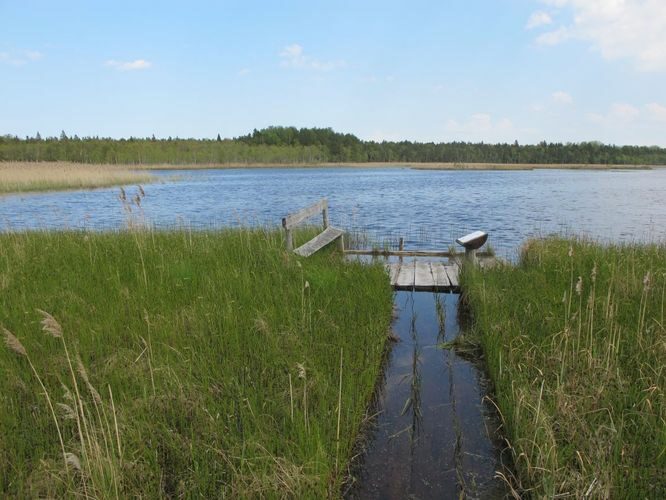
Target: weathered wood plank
405 278
439 275
296 218
452 273
319 241
423 276
393 271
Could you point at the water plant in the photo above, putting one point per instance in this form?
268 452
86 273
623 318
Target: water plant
574 337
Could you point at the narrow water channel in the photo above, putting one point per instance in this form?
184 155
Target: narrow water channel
434 435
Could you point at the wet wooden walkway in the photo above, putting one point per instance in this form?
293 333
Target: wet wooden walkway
424 276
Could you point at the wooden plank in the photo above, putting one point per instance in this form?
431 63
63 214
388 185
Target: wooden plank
423 276
296 218
319 241
439 275
405 278
412 253
393 271
452 273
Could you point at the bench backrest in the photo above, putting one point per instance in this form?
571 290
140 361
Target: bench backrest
294 219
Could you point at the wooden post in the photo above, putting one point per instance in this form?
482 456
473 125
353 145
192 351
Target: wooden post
325 215
470 255
341 243
401 247
289 239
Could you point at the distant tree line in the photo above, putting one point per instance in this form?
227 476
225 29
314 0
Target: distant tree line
278 145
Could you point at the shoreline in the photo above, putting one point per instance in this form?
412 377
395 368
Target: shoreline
398 165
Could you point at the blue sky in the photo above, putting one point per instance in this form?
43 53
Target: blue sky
472 70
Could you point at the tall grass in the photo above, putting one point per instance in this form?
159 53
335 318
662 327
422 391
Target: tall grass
205 364
18 177
575 340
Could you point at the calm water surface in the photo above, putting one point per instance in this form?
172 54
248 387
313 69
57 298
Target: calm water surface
429 208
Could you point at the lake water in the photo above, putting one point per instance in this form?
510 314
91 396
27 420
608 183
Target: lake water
428 208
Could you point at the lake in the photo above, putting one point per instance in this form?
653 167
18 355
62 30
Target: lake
429 208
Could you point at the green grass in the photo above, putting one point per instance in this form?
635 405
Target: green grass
209 364
575 341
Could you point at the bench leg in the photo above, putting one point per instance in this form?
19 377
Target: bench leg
289 240
341 243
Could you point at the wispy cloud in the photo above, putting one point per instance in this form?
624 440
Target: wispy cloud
538 19
244 71
618 29
21 57
561 97
656 111
619 114
135 65
293 56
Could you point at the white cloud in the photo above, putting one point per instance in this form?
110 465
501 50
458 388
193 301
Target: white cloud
618 29
554 37
244 71
21 57
137 64
538 19
656 111
619 114
293 56
562 97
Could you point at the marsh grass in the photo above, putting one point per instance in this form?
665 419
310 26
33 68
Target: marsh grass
18 177
575 341
182 364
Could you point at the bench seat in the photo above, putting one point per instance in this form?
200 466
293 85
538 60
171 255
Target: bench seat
329 235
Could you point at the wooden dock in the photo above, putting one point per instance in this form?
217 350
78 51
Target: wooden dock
424 276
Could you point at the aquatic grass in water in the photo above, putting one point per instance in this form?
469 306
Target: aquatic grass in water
575 341
186 363
19 177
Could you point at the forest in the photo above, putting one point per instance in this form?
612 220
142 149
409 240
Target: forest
291 145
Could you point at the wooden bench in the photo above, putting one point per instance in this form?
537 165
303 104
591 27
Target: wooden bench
329 234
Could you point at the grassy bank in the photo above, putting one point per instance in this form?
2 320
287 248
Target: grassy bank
182 364
19 177
575 341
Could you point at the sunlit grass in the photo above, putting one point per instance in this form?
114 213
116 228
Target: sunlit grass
203 364
17 177
575 341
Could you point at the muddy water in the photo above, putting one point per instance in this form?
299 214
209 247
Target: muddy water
434 435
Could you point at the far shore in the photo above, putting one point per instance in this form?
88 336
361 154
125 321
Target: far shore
412 165
26 177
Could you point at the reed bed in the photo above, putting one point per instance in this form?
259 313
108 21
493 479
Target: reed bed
169 364
575 342
18 177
